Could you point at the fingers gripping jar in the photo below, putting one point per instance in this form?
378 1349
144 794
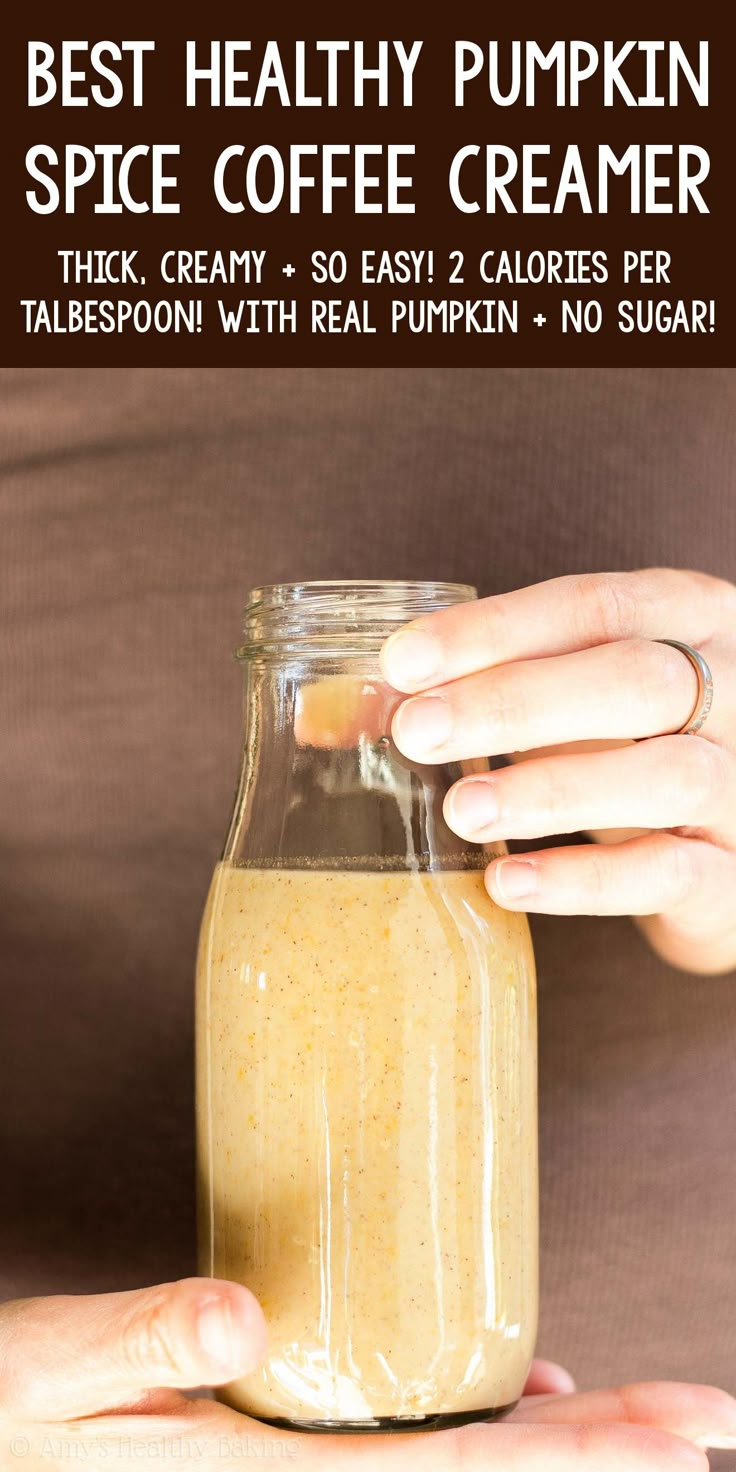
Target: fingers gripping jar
366 1048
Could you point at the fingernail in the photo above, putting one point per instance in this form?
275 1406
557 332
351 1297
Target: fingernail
717 1441
422 724
565 1383
689 1451
216 1332
410 658
514 879
473 806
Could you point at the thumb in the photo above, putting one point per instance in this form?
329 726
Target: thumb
70 1357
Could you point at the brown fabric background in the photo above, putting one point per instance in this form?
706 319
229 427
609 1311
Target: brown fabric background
136 507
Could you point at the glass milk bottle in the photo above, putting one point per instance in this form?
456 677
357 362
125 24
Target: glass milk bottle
366 1048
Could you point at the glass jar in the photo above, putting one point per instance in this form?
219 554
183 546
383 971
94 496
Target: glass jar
366 1048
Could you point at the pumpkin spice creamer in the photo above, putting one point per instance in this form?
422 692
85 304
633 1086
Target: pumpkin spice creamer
366 1050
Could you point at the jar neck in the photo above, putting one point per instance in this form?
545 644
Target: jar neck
322 784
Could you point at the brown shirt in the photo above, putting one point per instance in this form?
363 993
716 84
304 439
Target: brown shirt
137 507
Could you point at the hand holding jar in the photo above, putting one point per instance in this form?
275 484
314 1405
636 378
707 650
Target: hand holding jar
366 1026
99 1381
582 677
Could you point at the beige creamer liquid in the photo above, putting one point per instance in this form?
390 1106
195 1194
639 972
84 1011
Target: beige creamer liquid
366 1089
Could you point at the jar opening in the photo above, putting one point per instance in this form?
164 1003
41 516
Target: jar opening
338 615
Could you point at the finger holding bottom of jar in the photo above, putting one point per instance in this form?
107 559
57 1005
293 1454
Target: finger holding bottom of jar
547 1378
702 1414
78 1355
666 782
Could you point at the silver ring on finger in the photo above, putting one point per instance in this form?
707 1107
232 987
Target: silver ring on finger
704 698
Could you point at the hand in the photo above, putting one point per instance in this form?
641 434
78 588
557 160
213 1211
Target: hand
98 1382
572 665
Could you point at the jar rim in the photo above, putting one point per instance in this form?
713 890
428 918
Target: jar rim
339 614
296 589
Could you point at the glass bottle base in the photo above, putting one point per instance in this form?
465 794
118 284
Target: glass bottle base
388 1424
